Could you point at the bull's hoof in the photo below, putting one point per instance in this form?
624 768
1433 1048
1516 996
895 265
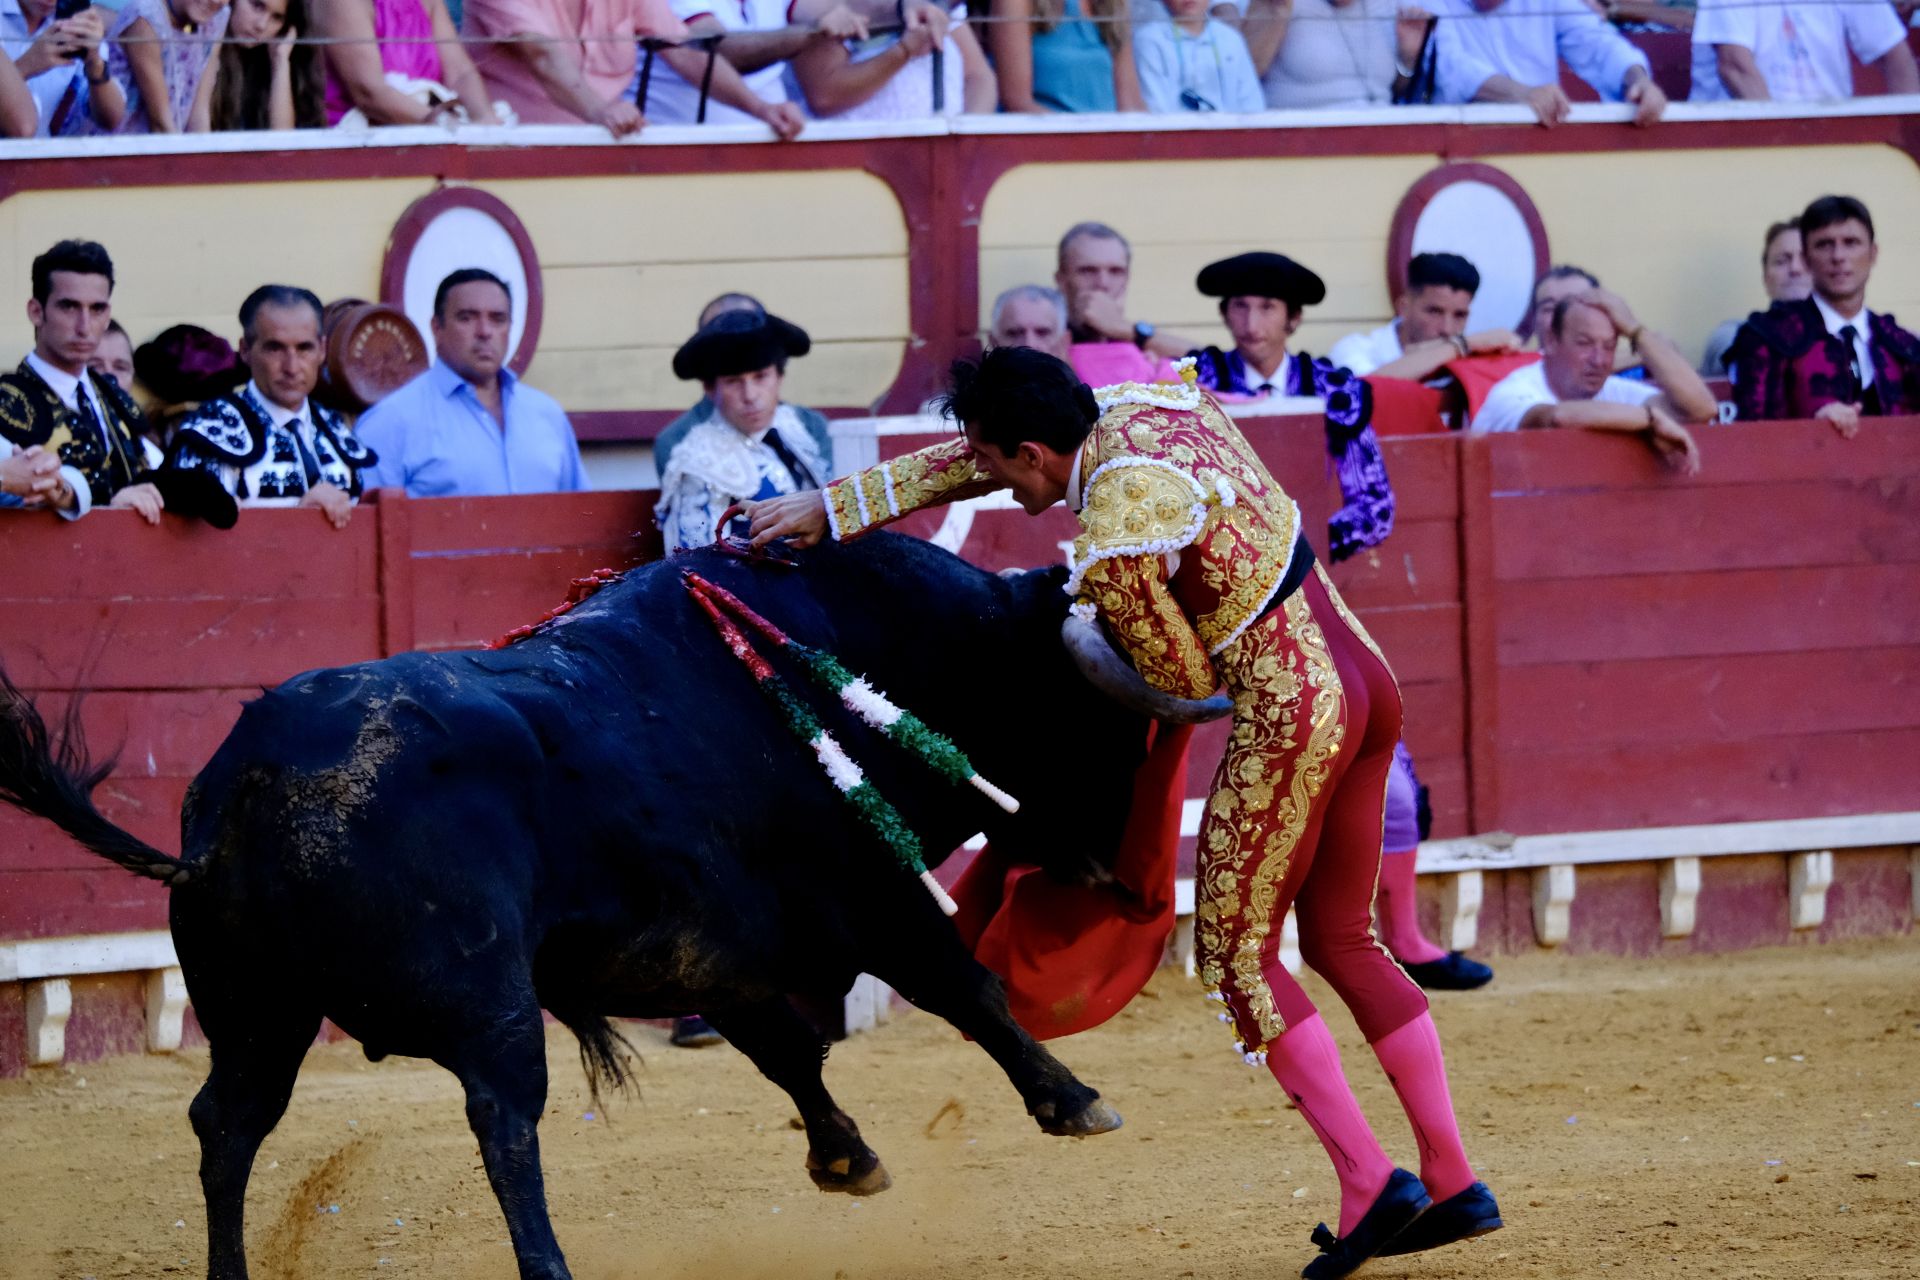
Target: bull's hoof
1096 1117
844 1176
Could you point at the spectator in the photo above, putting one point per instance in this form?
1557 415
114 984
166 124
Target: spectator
468 427
555 63
1052 57
1188 61
1510 51
1783 273
1796 50
62 63
52 406
1031 315
159 54
887 78
113 358
1095 264
1334 53
1561 281
749 62
1573 384
398 62
754 445
262 78
1429 328
268 444
669 439
1827 356
180 367
19 114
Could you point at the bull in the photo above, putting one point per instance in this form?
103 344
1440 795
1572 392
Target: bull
607 820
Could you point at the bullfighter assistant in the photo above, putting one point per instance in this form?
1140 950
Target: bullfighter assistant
1196 561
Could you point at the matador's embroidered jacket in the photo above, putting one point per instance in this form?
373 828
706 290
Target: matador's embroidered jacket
1184 537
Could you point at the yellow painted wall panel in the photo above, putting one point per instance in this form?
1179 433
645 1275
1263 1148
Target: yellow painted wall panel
710 218
1331 214
656 304
833 374
1677 233
191 254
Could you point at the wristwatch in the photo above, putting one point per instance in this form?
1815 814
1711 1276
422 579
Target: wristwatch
1142 333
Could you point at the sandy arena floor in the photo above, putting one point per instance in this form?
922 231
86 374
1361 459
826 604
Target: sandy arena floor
1747 1116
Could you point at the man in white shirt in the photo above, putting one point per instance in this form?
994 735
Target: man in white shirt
1510 51
1797 51
52 406
756 41
1429 326
1573 385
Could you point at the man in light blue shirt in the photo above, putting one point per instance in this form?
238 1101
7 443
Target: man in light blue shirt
467 427
1510 51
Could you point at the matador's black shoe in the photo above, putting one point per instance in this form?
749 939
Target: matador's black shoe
1454 973
1461 1216
1397 1207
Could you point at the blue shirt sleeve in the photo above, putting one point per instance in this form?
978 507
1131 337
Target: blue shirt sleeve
382 429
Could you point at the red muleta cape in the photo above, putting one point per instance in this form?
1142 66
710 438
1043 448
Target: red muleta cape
1072 956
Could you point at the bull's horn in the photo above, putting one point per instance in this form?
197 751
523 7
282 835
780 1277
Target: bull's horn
1112 675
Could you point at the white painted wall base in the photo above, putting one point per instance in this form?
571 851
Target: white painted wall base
1553 903
166 1009
1460 899
49 1002
1809 876
1679 895
868 1004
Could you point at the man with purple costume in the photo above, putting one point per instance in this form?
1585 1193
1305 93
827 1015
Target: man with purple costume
1827 356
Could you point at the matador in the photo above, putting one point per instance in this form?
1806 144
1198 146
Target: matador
1196 562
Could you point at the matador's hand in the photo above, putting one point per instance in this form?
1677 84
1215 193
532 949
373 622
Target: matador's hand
799 517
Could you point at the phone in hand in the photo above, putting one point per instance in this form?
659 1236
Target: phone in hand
71 8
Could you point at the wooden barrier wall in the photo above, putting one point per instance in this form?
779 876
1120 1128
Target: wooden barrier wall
1585 640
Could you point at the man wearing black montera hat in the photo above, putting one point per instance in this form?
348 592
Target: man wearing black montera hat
754 445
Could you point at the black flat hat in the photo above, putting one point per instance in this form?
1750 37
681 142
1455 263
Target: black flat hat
1262 275
738 342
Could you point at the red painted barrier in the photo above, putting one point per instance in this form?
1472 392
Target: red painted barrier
1585 641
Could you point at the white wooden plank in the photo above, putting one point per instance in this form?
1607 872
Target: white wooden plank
32 958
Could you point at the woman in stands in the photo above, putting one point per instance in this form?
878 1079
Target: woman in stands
263 78
1334 53
159 52
398 62
1063 55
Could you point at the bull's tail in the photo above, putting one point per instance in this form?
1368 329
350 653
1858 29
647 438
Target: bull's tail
53 779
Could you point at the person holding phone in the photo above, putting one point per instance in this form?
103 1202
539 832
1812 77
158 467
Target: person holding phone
55 47
158 52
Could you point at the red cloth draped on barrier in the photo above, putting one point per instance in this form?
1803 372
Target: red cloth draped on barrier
1073 955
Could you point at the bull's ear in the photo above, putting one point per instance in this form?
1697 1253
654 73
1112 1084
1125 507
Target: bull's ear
1110 673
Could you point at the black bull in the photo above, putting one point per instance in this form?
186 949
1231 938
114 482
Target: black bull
608 820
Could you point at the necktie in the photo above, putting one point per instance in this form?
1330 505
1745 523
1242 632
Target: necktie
1848 335
309 465
803 477
105 480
